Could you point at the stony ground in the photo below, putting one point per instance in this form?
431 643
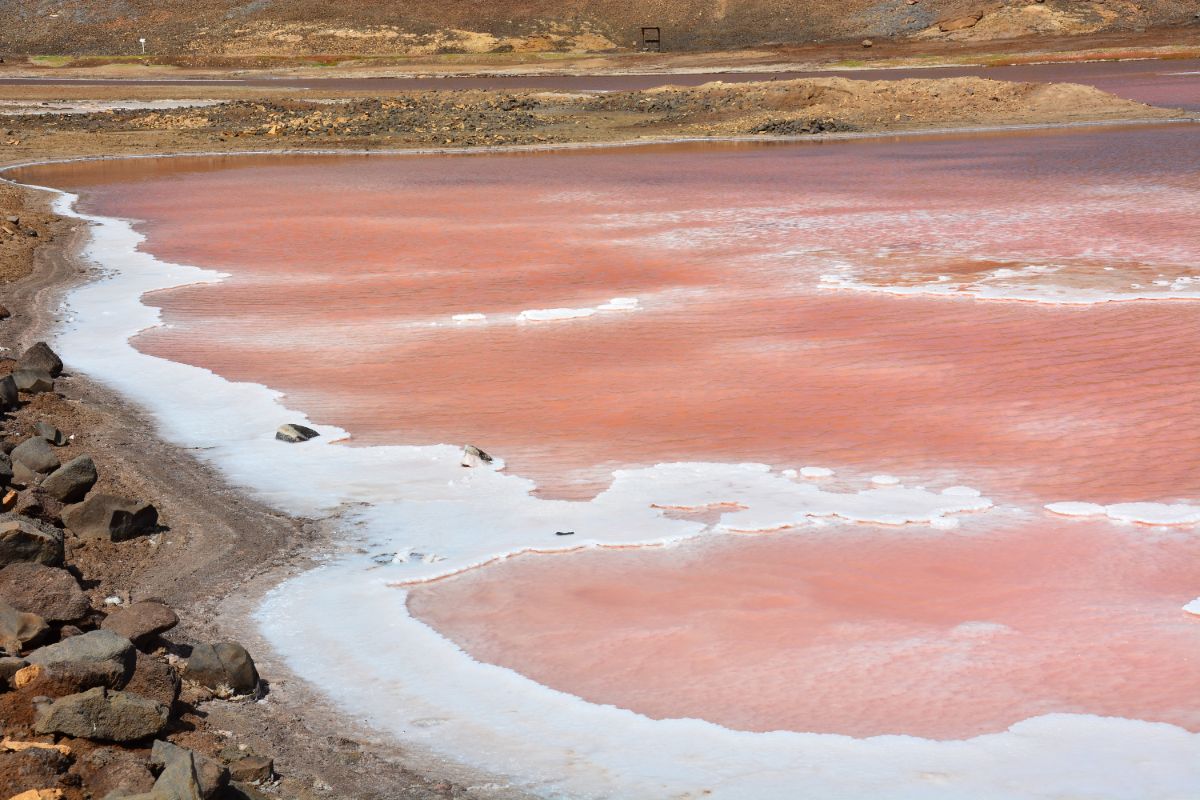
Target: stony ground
475 118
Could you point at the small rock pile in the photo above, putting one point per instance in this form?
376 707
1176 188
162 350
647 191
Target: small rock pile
91 693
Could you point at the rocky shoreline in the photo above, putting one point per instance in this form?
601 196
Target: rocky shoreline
202 564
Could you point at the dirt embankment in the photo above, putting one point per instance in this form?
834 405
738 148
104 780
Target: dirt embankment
489 118
424 27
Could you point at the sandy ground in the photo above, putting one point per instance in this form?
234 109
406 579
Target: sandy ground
223 550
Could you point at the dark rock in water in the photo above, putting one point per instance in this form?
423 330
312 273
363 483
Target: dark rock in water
103 714
50 433
473 456
141 622
40 357
36 453
252 769
564 533
8 393
211 776
102 657
46 591
74 479
222 665
19 628
105 516
154 679
295 433
23 539
34 381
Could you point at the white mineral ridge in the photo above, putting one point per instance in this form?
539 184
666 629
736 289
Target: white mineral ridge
1141 513
554 314
469 317
621 304
885 480
1193 607
815 472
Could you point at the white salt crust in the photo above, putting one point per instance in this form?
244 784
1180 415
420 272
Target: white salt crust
433 516
1141 513
1045 292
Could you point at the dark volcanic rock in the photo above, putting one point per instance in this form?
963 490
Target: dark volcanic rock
252 769
34 381
295 433
35 768
112 770
103 714
8 393
106 516
35 453
46 591
23 539
50 433
211 776
141 622
6 469
154 679
19 628
41 357
74 479
8 667
225 664
100 657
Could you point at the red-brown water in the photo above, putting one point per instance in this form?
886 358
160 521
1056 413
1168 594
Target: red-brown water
345 273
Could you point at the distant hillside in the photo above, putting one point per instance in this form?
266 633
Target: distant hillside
296 27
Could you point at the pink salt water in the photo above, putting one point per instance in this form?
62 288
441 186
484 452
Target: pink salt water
346 273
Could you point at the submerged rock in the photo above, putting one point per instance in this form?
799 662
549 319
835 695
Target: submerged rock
70 482
106 516
294 433
40 357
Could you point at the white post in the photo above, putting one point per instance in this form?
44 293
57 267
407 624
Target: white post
143 43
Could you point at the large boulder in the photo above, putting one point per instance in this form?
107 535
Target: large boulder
106 516
141 622
23 539
19 629
114 771
46 591
74 479
222 666
104 714
154 679
41 357
101 658
34 381
211 775
26 772
36 453
252 769
8 393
